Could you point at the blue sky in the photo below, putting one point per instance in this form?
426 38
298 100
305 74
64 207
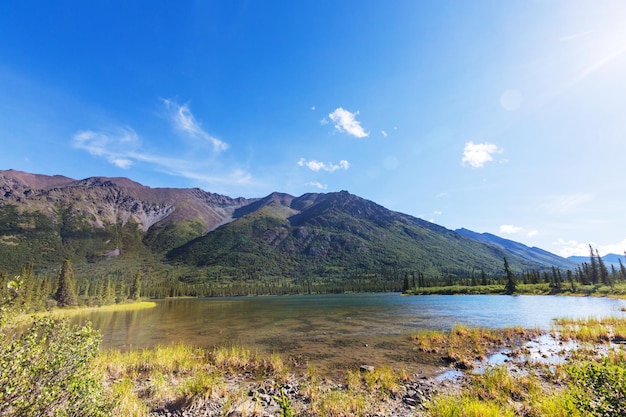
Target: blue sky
505 117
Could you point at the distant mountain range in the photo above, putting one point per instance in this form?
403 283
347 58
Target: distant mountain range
212 237
609 260
534 254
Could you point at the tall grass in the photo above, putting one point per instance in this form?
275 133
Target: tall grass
463 344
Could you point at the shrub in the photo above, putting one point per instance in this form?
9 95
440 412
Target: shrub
46 370
599 388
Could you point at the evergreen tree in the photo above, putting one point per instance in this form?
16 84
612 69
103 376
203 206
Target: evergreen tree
622 270
483 277
511 285
65 295
405 285
595 270
570 279
604 272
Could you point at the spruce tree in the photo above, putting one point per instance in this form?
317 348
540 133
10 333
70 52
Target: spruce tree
135 289
595 270
604 272
511 285
65 295
405 284
622 270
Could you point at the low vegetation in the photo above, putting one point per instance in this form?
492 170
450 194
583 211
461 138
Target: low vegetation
463 346
588 384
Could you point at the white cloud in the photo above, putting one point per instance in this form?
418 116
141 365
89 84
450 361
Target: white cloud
510 229
569 248
183 120
532 233
574 248
437 212
316 166
317 185
385 134
617 248
478 154
345 121
122 162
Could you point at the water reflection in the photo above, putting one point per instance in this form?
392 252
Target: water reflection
334 330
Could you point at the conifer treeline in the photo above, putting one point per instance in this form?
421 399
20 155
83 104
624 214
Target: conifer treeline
39 291
592 273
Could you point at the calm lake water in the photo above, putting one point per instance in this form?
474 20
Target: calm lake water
334 331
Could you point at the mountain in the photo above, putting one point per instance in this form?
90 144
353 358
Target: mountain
196 237
45 219
609 260
533 254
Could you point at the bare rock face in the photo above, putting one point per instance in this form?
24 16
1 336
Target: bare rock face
101 200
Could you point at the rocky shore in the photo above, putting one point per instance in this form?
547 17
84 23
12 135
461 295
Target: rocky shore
263 399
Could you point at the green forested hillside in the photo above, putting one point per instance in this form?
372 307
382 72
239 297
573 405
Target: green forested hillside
188 241
336 236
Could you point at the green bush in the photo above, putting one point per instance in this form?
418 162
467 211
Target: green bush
599 388
46 370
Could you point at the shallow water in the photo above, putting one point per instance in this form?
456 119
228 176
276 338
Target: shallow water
334 331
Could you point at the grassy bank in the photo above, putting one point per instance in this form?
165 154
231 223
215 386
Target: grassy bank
598 290
68 312
236 380
54 366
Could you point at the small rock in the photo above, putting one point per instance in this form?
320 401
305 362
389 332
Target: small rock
409 401
367 368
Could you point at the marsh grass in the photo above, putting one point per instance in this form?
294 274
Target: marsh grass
463 345
181 374
467 406
590 383
339 403
590 330
497 392
69 312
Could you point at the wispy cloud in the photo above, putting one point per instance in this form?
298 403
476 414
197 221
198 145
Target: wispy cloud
478 154
566 203
123 147
384 133
184 121
316 166
317 185
115 146
574 36
345 121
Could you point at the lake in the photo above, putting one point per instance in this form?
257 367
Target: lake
334 331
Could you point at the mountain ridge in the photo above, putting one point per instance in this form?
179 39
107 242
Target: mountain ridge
335 235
